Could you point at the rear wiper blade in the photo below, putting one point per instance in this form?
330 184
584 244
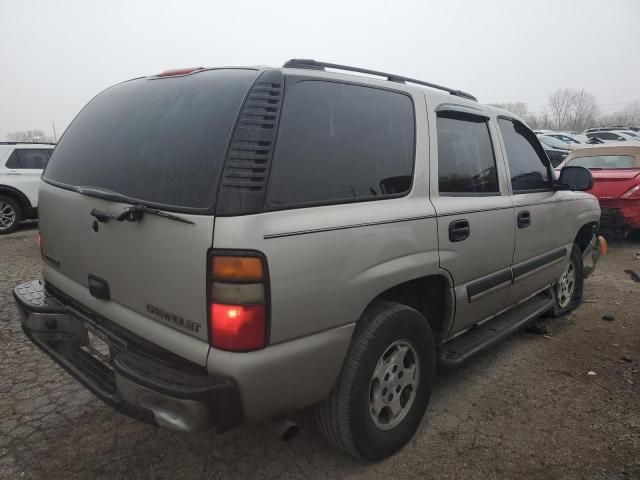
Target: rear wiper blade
104 194
133 213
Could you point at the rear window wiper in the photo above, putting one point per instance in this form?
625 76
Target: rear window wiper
133 213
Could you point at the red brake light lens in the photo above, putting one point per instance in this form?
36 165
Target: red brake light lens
179 71
238 327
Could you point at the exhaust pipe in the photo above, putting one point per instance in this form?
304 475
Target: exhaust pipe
282 428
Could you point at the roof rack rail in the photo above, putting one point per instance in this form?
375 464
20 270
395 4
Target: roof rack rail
315 65
28 143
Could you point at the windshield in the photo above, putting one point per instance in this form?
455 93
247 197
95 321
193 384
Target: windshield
160 141
604 161
553 142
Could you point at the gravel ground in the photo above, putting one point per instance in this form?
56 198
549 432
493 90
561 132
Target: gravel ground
526 408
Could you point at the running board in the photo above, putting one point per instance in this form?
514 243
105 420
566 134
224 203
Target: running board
460 349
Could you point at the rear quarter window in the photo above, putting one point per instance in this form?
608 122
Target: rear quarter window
339 143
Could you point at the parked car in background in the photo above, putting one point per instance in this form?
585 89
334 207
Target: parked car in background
570 138
21 166
616 174
556 155
630 133
613 127
554 142
613 135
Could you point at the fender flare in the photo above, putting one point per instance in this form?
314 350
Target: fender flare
16 194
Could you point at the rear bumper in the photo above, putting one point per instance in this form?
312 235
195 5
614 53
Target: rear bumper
135 378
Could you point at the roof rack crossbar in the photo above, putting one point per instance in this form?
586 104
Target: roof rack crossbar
316 65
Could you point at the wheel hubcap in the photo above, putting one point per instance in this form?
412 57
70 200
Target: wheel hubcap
566 286
7 216
393 385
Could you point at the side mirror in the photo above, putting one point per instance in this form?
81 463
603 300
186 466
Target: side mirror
576 178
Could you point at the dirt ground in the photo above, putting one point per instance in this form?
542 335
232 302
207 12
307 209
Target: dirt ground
525 409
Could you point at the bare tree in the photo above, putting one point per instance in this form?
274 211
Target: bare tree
560 103
519 108
584 111
632 113
28 136
571 109
628 116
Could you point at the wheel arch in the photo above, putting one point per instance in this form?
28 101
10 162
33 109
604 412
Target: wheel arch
431 295
584 235
17 195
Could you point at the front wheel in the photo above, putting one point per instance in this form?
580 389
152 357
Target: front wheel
567 291
384 388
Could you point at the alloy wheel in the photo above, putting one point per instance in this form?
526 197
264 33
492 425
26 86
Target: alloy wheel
393 385
7 216
566 286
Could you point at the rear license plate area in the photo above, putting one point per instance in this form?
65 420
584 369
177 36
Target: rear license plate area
99 345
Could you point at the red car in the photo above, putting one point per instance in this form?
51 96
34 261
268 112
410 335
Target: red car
616 174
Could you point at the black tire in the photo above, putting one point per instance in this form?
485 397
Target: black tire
8 206
559 307
344 418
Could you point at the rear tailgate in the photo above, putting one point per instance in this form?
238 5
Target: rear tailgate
157 143
155 267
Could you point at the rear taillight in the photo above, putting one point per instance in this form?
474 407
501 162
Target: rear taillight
632 193
238 306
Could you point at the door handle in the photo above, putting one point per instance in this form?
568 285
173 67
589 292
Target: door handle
13 172
459 230
524 219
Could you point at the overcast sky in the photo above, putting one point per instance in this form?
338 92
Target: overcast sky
56 55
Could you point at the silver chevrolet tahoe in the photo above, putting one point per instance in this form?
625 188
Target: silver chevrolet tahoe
229 245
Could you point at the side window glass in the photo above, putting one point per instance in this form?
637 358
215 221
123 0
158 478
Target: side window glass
14 161
466 161
528 164
33 159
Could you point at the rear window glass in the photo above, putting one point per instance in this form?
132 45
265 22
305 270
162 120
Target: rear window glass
604 161
339 143
159 141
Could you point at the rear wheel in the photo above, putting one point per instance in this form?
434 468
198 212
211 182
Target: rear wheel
10 215
567 291
384 388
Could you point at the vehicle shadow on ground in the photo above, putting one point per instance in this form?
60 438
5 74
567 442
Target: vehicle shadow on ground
100 443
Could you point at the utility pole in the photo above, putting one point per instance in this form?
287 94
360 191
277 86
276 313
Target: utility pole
55 136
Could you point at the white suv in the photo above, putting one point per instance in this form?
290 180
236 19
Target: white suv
21 165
